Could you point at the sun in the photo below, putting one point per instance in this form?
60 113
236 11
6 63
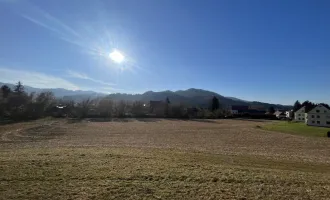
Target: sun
116 56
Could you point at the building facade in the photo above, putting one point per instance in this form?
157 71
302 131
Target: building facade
299 115
318 116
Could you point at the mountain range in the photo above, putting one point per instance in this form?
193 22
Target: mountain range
191 97
59 92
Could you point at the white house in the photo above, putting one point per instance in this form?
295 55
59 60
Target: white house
289 114
280 114
318 116
299 115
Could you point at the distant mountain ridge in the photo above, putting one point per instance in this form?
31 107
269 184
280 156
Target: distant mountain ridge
58 92
237 99
191 97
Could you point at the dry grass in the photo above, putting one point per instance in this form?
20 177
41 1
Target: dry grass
160 159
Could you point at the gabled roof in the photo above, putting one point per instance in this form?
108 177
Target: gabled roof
301 108
279 112
325 105
320 105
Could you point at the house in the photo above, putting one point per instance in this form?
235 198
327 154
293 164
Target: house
299 115
279 114
157 108
289 114
318 116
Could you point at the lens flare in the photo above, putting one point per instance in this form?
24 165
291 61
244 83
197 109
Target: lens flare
116 56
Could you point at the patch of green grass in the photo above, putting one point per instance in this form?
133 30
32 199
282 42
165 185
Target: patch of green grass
297 128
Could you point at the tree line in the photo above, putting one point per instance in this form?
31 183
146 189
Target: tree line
17 104
308 105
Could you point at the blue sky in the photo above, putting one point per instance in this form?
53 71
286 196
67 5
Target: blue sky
272 51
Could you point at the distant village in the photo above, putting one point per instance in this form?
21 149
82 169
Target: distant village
311 115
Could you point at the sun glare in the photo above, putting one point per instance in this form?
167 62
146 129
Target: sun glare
116 56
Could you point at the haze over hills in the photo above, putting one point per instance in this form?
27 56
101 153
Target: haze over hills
191 97
58 92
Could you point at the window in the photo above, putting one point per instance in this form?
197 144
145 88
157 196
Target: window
312 116
318 122
313 122
299 115
328 123
325 111
317 111
299 119
318 116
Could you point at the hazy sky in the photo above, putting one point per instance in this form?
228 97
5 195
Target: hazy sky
271 51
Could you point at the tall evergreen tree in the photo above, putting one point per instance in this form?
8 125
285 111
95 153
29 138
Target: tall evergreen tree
215 103
308 105
167 107
297 105
168 100
271 110
19 88
5 91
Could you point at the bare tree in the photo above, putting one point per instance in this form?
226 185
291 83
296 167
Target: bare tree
120 108
84 107
138 109
105 107
43 102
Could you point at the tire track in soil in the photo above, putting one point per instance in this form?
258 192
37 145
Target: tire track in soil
5 137
18 135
